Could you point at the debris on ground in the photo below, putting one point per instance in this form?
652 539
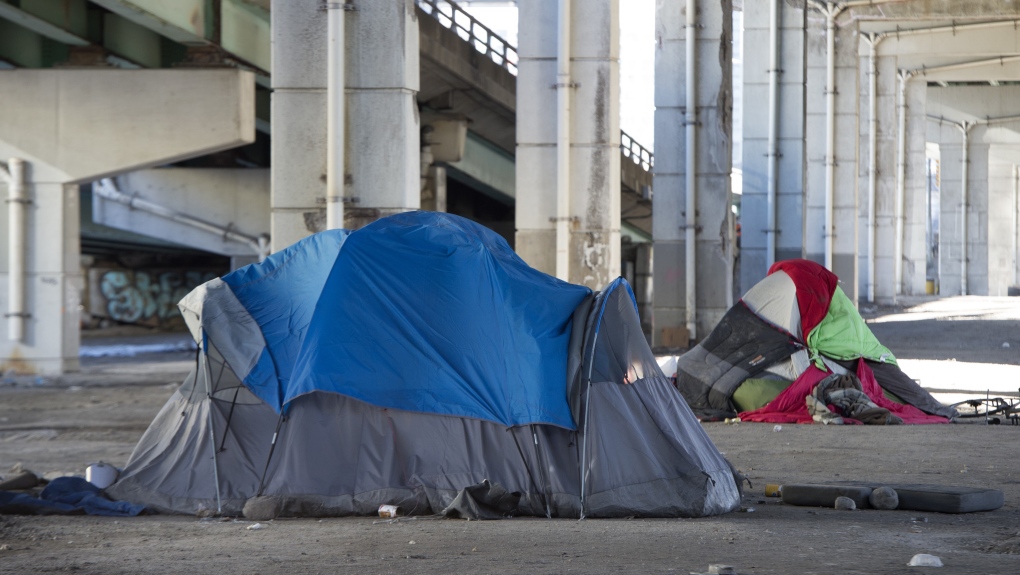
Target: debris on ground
924 560
845 504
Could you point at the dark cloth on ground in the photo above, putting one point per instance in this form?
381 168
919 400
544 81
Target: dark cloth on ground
66 496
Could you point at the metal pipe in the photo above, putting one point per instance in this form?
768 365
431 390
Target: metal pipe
563 86
690 174
901 183
773 147
1015 186
107 190
964 129
872 157
17 219
335 112
831 11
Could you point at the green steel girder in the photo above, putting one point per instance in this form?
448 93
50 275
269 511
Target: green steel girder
35 18
240 27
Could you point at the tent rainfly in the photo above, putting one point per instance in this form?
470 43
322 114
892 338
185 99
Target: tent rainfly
419 362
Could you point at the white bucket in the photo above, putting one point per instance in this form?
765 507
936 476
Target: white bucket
102 475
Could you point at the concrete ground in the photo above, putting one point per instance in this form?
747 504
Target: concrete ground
954 346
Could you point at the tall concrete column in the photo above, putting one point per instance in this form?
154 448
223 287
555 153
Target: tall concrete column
382 172
383 134
594 139
978 191
950 212
915 186
790 140
844 195
713 132
75 126
999 213
298 110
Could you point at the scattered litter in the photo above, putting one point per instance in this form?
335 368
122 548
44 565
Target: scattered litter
74 388
845 504
924 560
964 470
255 527
777 428
388 511
718 569
919 519
731 420
411 542
773 490
747 509
4 547
1005 344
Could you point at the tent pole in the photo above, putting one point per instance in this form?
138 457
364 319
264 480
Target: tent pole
545 472
230 415
272 448
527 467
212 435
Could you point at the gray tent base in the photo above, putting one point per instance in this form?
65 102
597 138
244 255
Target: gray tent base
637 451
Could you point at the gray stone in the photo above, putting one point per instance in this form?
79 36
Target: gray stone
884 498
261 508
842 503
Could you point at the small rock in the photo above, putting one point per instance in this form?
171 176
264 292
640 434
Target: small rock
5 547
924 560
845 504
411 542
1005 344
261 508
718 569
777 428
884 498
255 527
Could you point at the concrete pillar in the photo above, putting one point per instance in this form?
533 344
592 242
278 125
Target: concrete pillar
713 107
594 245
950 212
885 178
977 214
790 163
383 132
845 196
999 213
75 126
382 172
298 111
915 217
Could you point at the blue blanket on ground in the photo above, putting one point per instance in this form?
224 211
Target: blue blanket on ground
66 496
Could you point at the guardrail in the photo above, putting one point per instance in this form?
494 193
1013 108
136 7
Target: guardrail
452 16
636 152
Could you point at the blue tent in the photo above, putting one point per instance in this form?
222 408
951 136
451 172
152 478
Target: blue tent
457 325
419 362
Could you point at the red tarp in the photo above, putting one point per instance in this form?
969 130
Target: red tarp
815 286
790 407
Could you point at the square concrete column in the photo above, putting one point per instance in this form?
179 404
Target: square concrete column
790 140
950 212
53 280
714 265
382 154
845 195
976 212
594 193
1000 216
915 189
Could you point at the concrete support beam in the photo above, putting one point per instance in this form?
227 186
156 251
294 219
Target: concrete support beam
790 144
81 122
42 26
713 108
232 199
999 209
594 140
82 125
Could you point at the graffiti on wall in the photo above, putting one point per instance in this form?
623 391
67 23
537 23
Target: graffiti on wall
143 297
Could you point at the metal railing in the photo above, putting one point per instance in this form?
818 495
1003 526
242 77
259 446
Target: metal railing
637 153
452 16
